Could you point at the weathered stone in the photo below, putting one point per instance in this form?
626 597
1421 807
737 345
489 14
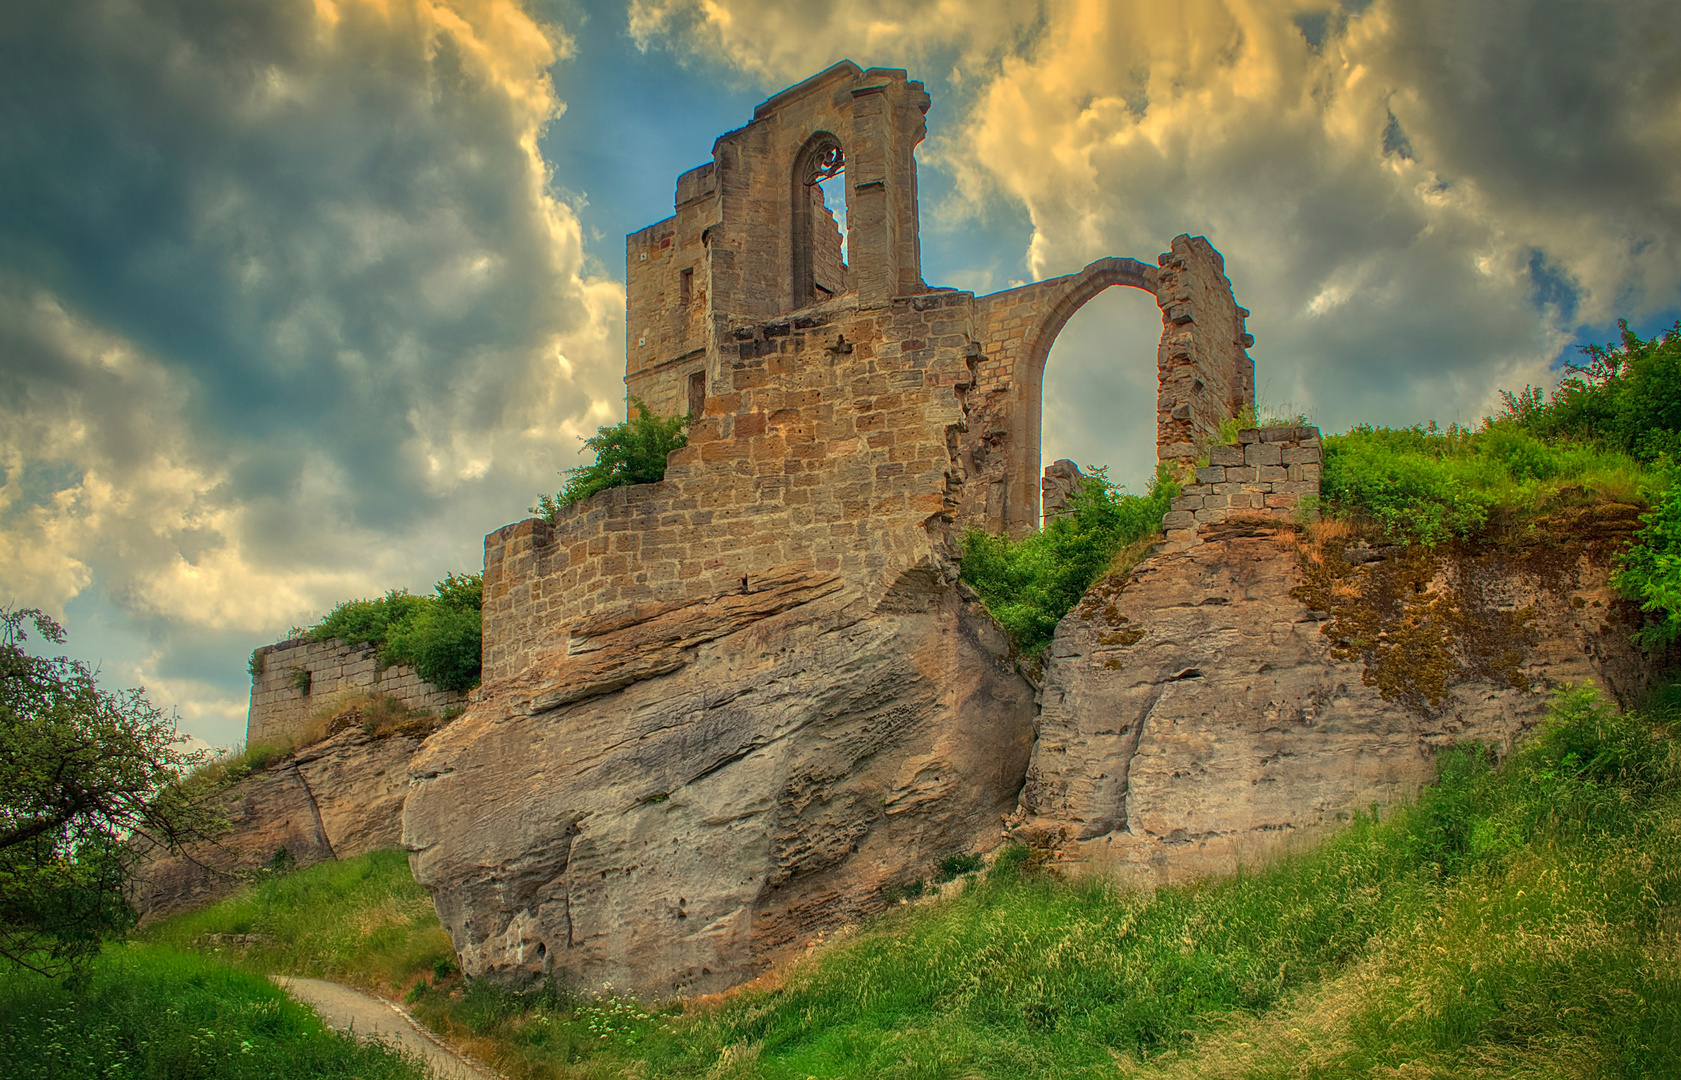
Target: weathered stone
678 832
340 798
1221 454
1062 479
1199 714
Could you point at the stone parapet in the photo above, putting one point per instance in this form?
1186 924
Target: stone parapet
1265 474
296 677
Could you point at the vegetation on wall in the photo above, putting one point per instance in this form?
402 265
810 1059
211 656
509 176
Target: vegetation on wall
630 452
1030 584
439 635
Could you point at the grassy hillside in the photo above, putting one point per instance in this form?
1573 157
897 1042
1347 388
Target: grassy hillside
148 1012
1516 921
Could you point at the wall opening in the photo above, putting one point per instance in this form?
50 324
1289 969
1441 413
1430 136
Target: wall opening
819 219
697 394
1098 391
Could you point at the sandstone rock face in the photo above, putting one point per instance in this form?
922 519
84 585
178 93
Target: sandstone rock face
690 796
1221 701
340 798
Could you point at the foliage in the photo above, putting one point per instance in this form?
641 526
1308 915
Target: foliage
1427 484
361 921
439 636
150 1013
1030 584
953 867
630 452
82 770
1514 921
1650 571
1626 395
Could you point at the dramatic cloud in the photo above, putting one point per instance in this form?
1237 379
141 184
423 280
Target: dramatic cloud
1421 203
287 311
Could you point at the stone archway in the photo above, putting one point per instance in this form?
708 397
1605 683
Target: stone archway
1204 374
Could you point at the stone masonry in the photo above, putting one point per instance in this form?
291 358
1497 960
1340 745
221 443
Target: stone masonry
298 677
721 712
1265 474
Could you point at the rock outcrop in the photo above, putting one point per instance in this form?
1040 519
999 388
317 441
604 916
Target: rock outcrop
1216 703
699 788
339 798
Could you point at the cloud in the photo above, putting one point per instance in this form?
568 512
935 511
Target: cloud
1421 203
288 313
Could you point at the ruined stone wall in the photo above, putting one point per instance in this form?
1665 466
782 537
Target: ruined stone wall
300 676
721 712
668 297
1267 473
735 227
832 451
1204 372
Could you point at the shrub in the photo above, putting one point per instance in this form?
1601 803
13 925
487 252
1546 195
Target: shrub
1650 570
631 452
439 636
1627 396
1427 484
1030 584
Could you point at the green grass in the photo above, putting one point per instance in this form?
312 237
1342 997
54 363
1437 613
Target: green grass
1515 921
148 1012
362 921
1429 485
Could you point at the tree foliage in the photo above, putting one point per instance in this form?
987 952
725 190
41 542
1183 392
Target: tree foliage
1030 584
1626 395
83 773
630 452
440 636
1650 570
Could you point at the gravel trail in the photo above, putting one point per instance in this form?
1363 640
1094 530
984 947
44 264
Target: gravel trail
370 1017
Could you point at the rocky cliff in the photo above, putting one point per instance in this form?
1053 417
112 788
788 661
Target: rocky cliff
339 798
694 792
1214 704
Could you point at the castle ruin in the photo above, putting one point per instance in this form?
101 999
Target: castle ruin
720 712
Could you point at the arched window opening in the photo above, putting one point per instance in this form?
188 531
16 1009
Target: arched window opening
819 270
1098 396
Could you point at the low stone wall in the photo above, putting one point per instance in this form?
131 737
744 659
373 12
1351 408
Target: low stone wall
299 676
1264 475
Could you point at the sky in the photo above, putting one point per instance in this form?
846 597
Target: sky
300 298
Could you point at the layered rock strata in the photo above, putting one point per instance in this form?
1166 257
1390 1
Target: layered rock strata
703 789
1221 702
337 799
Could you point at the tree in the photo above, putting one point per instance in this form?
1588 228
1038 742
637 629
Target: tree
84 772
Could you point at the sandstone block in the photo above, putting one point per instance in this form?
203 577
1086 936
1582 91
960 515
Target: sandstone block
1297 455
1243 475
1221 454
1216 502
1272 473
1178 519
1261 454
1212 474
1188 502
1211 517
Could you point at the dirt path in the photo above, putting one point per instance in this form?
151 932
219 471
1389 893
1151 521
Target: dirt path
374 1018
